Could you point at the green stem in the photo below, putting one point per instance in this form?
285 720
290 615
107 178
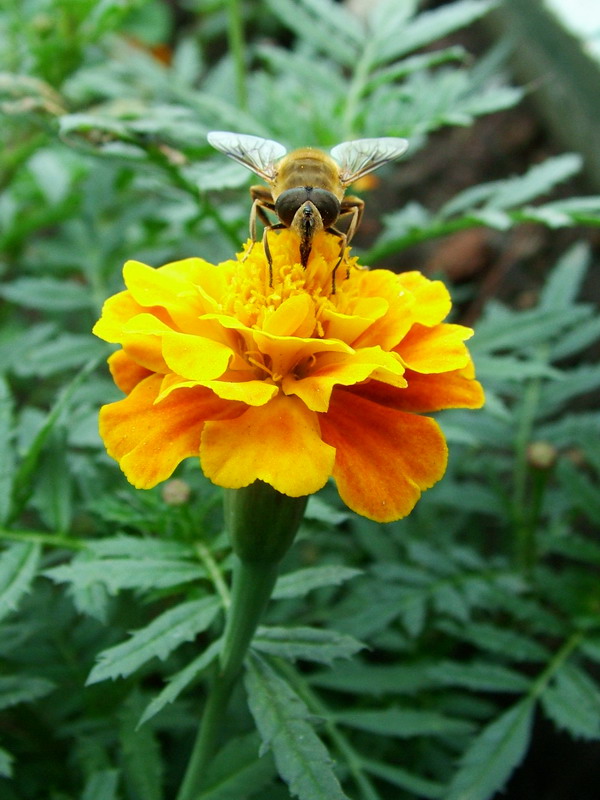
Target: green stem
235 34
253 584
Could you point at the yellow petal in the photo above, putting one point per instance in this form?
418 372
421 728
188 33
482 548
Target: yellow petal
278 443
384 458
437 349
331 369
195 357
432 302
294 317
250 392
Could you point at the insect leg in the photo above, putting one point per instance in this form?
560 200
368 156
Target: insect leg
278 226
262 199
343 243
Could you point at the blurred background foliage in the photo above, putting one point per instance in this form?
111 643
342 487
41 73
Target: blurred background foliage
474 624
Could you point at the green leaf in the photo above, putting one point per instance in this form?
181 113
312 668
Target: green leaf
520 331
150 569
478 676
6 762
322 34
282 720
47 294
583 494
18 568
507 643
67 351
7 461
102 785
310 644
564 282
15 689
490 760
428 27
158 639
538 180
572 701
579 380
502 368
237 771
404 723
299 583
420 787
141 755
375 679
181 680
53 496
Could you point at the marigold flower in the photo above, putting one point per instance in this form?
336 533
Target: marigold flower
287 384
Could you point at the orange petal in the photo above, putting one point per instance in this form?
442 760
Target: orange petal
250 392
150 439
331 369
349 326
125 371
384 458
424 393
437 349
278 443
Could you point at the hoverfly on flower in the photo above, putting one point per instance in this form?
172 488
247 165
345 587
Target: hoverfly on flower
306 187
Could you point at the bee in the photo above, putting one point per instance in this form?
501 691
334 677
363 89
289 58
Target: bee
306 187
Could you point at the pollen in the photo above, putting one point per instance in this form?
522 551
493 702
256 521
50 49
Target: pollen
253 299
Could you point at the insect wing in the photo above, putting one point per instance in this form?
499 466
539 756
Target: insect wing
362 156
257 154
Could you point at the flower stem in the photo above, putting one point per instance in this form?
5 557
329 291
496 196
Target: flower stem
235 35
253 584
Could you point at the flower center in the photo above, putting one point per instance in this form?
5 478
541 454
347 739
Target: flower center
252 297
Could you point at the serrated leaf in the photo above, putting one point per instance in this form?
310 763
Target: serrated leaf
510 644
375 679
572 701
6 762
579 380
158 639
181 680
237 771
564 282
501 368
303 642
18 567
141 755
420 787
322 35
102 785
67 351
299 583
478 676
583 494
490 760
520 331
126 573
404 723
282 720
428 27
47 294
538 180
16 689
7 461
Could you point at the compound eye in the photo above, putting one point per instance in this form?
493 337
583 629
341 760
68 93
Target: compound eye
288 203
328 205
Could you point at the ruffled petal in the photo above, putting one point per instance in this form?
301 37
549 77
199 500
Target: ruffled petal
437 349
384 458
252 393
331 369
426 393
125 371
279 443
150 439
294 317
195 357
432 301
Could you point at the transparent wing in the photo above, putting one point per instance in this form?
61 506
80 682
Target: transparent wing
357 158
257 154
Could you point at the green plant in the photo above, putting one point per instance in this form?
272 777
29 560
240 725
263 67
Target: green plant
450 630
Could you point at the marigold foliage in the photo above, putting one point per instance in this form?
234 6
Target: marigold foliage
288 383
